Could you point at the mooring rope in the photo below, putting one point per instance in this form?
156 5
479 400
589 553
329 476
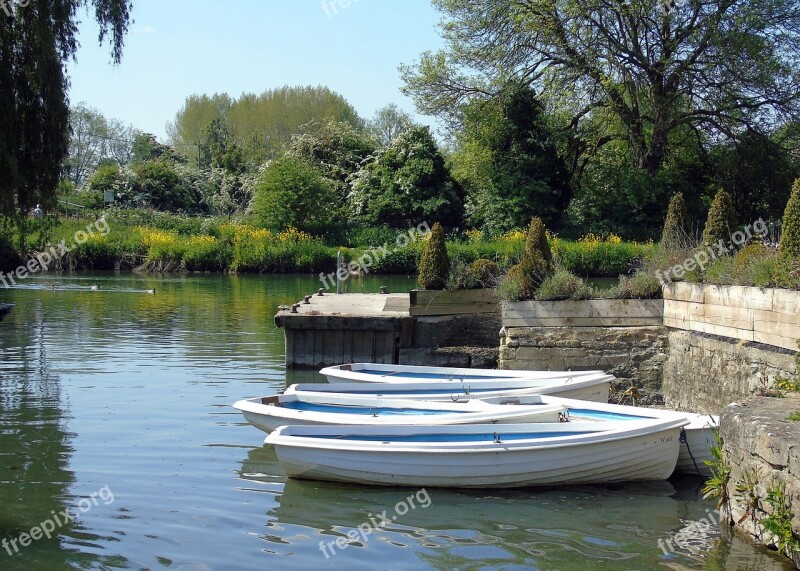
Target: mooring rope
684 440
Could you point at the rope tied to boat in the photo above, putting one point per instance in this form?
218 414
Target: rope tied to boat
684 440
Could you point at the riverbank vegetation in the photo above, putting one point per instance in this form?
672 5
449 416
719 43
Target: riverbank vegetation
587 141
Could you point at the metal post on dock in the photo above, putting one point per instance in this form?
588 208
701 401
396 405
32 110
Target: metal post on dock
338 272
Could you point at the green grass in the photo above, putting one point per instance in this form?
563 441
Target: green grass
210 244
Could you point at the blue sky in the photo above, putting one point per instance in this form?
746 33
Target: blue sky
180 47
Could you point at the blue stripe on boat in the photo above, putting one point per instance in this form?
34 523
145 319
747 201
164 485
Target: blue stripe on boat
471 437
438 376
603 415
383 389
365 410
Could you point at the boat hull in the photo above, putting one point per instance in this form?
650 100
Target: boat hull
271 412
384 373
641 454
594 388
695 447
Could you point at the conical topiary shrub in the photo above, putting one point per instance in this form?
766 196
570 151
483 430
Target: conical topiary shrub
721 220
790 231
434 266
537 260
675 235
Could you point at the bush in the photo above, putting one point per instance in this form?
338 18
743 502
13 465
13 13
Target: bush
206 253
600 257
719 272
293 193
745 257
462 276
537 260
564 285
486 272
675 235
434 266
641 285
721 220
510 286
790 238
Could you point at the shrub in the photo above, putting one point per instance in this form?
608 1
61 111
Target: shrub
641 285
790 238
719 272
596 256
509 286
434 265
486 272
206 253
462 276
721 219
676 226
747 255
564 285
537 260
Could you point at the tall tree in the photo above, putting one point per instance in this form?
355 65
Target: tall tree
523 175
337 149
715 65
408 183
35 46
94 139
388 123
260 125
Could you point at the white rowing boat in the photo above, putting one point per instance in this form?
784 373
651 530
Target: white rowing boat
481 456
696 441
592 387
387 373
268 413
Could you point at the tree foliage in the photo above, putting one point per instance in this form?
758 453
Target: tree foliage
408 183
707 65
434 265
35 46
790 231
510 164
93 139
260 125
721 222
337 149
757 172
292 192
388 122
677 225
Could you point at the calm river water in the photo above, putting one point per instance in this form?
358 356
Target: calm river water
118 441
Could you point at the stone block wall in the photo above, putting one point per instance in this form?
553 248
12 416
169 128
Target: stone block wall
705 372
635 355
762 448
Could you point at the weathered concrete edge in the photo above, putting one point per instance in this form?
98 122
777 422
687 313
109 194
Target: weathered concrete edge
762 448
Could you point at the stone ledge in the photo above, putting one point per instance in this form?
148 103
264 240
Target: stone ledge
760 440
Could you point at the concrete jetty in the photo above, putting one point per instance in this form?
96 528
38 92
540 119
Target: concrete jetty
379 328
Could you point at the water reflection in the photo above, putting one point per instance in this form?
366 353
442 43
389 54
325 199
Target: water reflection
115 387
610 527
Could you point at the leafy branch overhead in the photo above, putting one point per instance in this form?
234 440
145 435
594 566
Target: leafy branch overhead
714 66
